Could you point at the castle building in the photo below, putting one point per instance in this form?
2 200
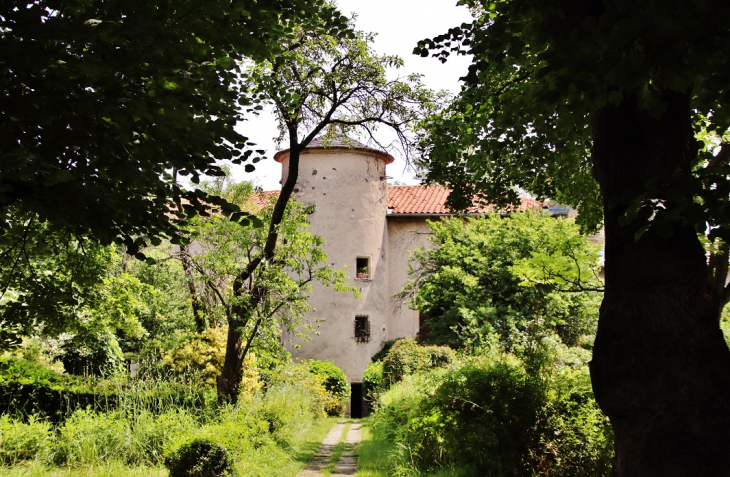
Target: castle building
370 227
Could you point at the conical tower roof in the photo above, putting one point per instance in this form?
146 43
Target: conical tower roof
338 142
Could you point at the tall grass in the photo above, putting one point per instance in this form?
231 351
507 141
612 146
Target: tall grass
138 428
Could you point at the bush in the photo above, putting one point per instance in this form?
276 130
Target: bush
384 350
406 357
201 357
490 415
372 380
199 458
335 383
28 389
23 442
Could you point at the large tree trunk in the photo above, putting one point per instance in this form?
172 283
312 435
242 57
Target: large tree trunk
200 322
229 381
661 368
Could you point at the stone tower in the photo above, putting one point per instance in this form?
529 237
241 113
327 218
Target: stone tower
346 182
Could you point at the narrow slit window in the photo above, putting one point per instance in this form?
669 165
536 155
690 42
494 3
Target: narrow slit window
363 267
362 329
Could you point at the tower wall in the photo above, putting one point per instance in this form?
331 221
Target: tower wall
348 189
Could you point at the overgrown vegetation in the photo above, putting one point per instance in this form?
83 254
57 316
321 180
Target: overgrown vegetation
494 414
518 278
516 298
120 424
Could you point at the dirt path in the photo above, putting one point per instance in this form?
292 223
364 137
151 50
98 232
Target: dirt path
347 464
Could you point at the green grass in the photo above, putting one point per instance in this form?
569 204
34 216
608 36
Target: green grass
274 461
337 451
267 461
106 470
372 454
375 459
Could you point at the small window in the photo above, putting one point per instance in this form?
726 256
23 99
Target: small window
362 329
363 267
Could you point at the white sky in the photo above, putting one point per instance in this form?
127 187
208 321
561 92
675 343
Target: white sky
399 25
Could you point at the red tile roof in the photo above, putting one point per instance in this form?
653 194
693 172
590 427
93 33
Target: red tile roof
415 199
264 198
429 200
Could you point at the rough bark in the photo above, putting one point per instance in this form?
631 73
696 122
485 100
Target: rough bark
199 318
232 371
661 368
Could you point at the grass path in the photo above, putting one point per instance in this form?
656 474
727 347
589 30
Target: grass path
336 456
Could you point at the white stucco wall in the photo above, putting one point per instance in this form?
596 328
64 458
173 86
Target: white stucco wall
348 189
404 234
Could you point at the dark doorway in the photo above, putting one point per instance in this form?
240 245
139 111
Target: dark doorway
423 328
356 400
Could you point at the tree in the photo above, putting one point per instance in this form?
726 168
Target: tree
318 84
75 291
563 92
224 248
527 275
101 101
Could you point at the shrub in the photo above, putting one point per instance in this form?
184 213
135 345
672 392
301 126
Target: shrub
490 415
199 458
335 383
201 357
372 380
23 442
384 350
406 357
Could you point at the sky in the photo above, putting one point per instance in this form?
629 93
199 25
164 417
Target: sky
399 25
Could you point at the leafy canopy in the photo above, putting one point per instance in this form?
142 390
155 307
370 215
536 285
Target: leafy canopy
541 69
527 275
103 102
339 84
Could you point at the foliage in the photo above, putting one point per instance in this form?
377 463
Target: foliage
201 358
338 84
372 380
541 71
28 389
725 324
82 295
43 352
560 92
199 458
201 355
22 441
387 344
99 95
169 304
129 431
406 357
490 415
335 383
529 274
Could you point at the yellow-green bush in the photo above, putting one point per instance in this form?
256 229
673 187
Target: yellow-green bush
335 383
201 357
